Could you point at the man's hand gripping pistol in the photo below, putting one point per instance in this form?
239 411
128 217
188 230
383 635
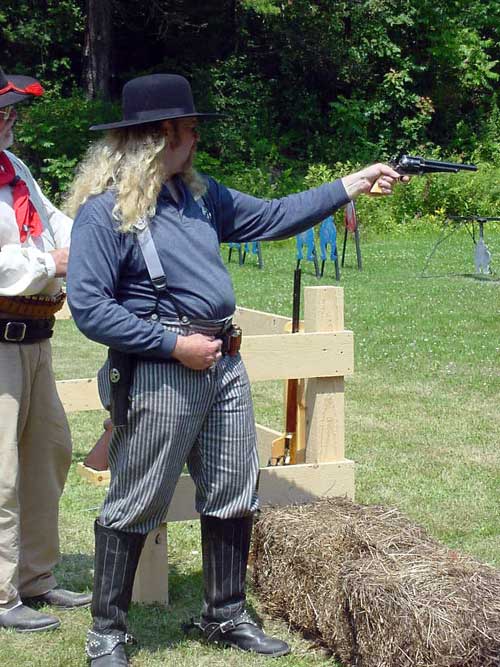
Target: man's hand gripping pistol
409 165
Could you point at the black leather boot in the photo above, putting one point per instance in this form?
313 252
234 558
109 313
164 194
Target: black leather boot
116 558
225 545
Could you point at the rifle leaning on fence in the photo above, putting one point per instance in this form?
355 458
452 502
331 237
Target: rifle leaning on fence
409 165
284 448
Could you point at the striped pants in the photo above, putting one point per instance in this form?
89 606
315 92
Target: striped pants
178 416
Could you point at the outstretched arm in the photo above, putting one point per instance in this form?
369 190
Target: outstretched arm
246 218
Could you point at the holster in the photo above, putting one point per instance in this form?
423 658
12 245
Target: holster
121 369
231 340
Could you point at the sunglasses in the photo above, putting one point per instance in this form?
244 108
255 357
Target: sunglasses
6 113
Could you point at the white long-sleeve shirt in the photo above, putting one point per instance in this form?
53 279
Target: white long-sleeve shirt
28 268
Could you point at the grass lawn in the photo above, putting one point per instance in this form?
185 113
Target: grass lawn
422 424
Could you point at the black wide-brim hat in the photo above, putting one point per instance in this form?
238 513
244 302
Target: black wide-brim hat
16 88
148 99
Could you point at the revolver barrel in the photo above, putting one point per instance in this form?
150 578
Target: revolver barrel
409 164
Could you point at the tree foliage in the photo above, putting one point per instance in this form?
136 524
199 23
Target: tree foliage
303 82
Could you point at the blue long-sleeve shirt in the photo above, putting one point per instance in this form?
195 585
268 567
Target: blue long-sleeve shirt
110 293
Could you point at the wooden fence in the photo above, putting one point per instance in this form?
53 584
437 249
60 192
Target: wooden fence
321 354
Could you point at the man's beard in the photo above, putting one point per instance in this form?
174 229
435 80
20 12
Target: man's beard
187 166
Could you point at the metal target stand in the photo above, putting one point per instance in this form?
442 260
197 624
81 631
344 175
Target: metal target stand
482 254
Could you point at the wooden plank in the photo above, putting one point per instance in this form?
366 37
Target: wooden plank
324 311
325 431
253 322
267 357
95 477
300 355
324 308
257 322
302 483
265 437
78 395
151 578
278 485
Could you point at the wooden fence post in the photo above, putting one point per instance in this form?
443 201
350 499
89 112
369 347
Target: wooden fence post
324 397
151 579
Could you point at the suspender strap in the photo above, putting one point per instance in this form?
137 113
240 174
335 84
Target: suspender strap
151 259
153 264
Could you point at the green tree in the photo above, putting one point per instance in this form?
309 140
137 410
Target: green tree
43 39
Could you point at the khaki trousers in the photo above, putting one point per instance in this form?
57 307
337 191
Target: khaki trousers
35 454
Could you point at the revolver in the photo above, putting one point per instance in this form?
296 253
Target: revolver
410 165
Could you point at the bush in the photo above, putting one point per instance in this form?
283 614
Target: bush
53 134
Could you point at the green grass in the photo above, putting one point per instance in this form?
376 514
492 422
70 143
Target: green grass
422 424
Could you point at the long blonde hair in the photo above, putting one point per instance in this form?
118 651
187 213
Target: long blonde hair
132 162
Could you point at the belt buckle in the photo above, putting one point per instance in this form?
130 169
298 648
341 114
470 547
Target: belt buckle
15 338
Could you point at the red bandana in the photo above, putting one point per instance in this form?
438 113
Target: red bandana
27 216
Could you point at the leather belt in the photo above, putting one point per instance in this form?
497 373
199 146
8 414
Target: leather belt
25 331
185 325
229 334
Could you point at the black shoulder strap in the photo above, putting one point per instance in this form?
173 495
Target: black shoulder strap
151 257
154 265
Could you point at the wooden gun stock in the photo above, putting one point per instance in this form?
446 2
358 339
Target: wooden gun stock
97 458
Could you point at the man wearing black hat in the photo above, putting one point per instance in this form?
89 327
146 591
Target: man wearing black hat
35 445
146 279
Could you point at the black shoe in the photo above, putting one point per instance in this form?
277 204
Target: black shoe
107 650
24 619
243 633
59 598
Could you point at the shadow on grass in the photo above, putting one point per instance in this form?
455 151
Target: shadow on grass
481 277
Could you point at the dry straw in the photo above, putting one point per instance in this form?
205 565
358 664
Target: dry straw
375 588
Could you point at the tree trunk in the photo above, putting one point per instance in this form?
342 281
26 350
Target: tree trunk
97 49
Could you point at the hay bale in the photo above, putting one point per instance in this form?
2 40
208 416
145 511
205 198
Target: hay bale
374 588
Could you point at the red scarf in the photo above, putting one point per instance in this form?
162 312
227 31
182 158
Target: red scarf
27 217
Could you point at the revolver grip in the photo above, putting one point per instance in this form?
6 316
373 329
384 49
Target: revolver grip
375 189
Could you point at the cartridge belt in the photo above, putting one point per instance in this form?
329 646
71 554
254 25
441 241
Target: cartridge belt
25 331
39 306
